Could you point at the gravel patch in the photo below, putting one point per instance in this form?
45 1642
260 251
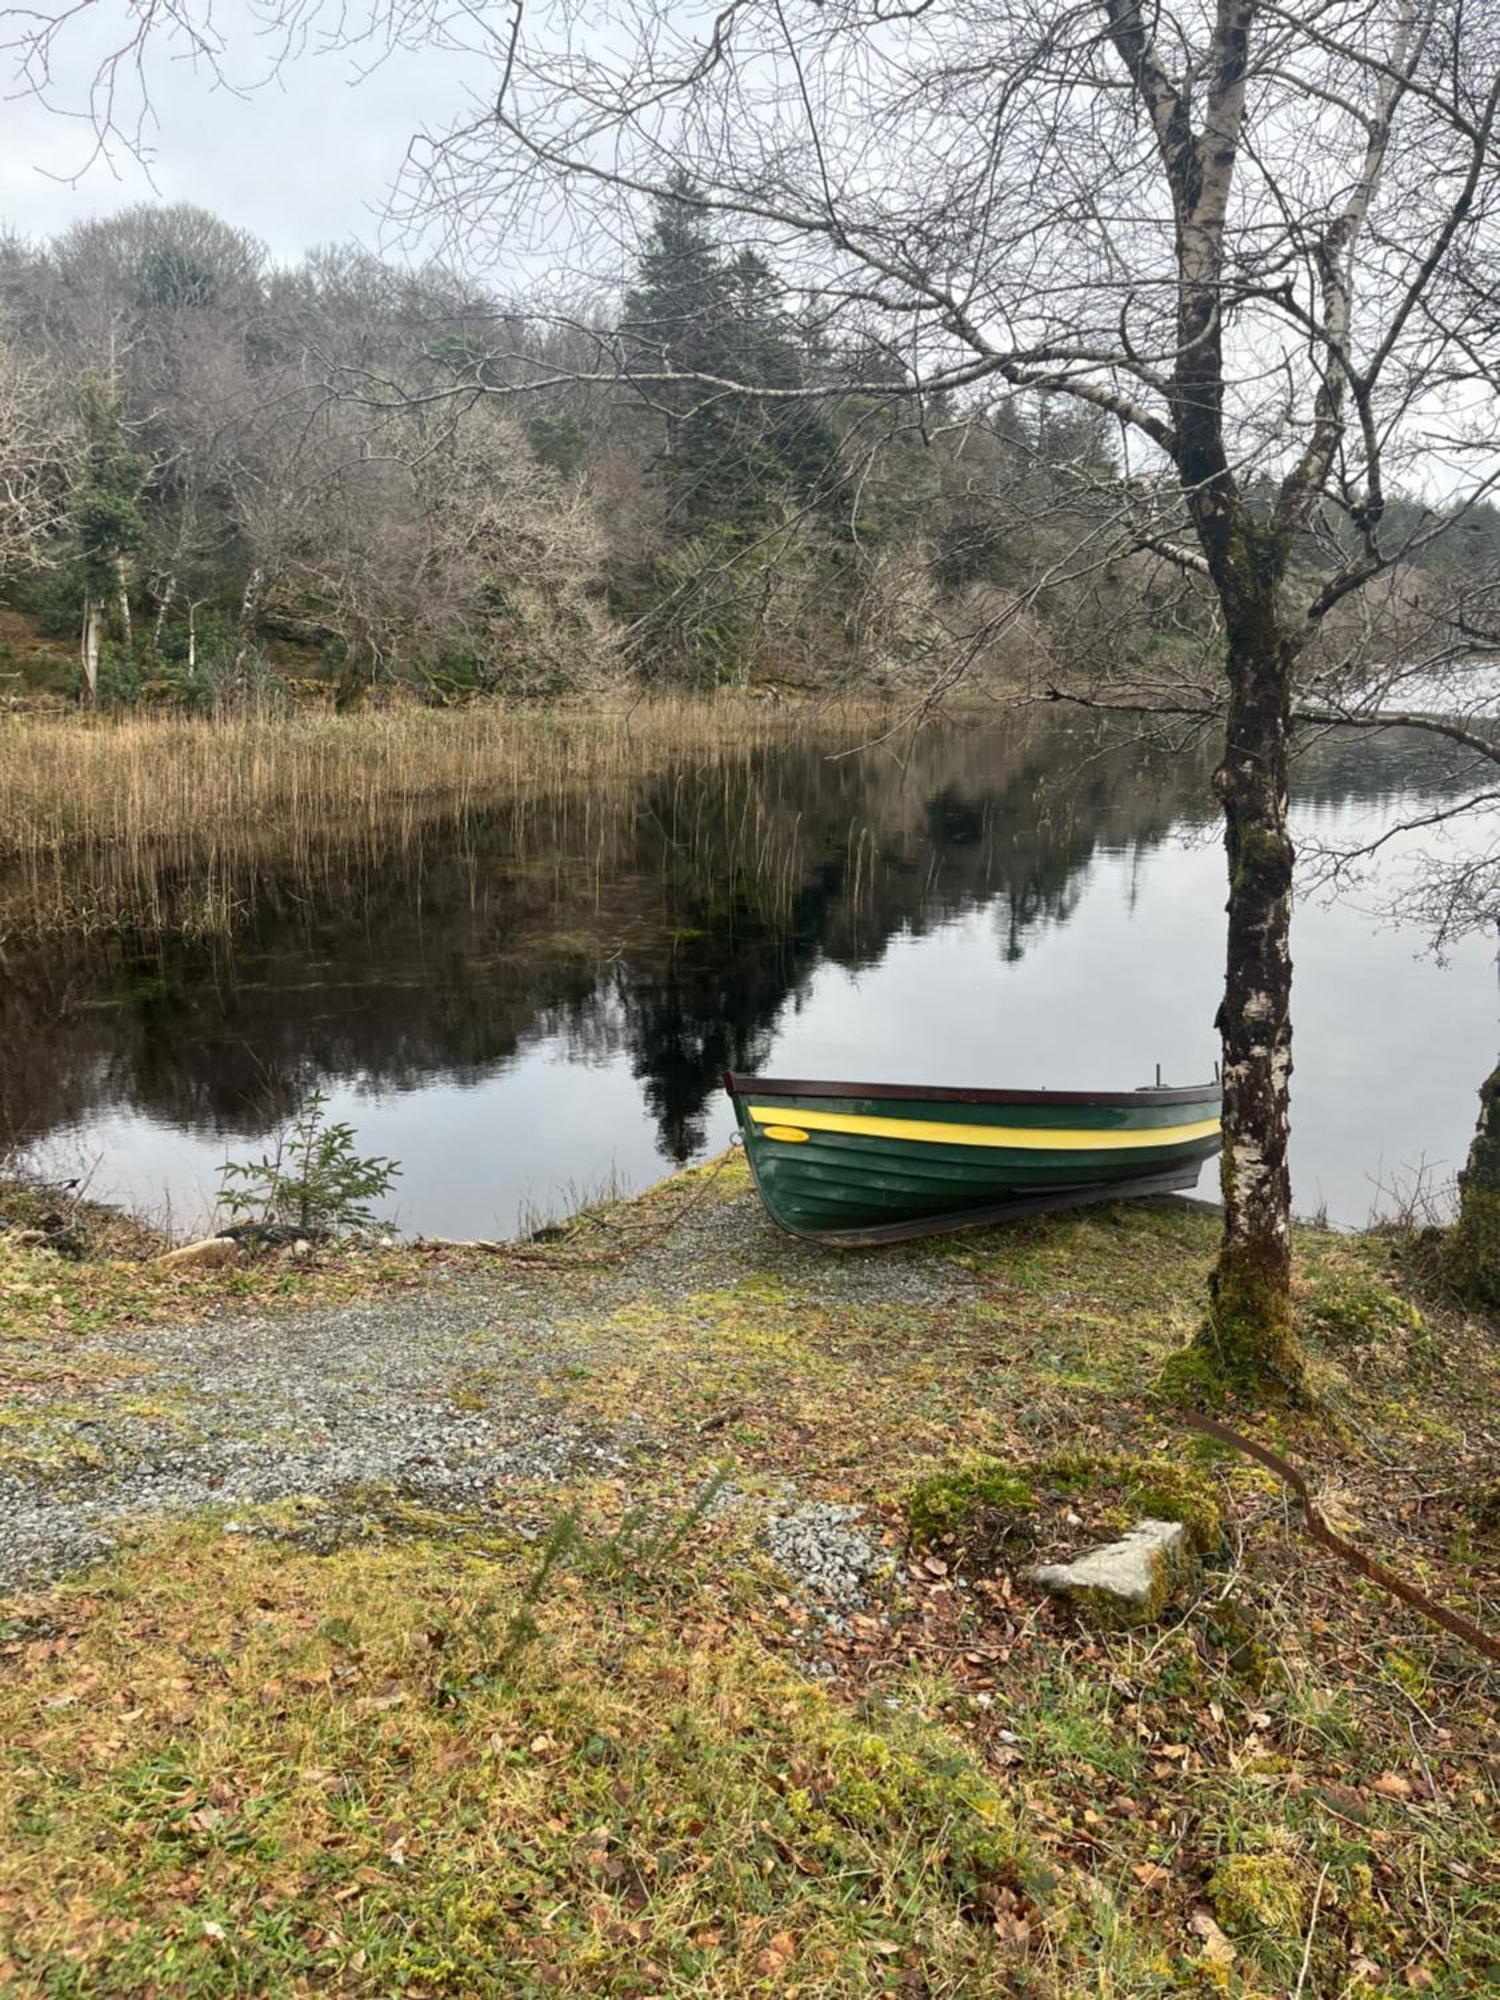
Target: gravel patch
320 1403
731 1239
819 1547
438 1394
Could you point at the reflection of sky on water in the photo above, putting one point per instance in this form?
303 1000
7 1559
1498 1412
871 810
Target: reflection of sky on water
475 1159
1476 691
1390 1051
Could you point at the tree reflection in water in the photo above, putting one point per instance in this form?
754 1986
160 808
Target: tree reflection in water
672 925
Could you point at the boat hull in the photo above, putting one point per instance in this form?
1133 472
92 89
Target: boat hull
847 1164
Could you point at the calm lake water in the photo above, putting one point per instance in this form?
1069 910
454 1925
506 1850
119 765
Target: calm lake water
526 1009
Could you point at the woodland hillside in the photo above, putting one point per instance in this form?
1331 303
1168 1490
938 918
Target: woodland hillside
221 478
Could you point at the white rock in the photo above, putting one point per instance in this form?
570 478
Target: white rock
1129 1580
209 1250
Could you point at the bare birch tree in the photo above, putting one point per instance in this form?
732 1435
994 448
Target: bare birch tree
1239 228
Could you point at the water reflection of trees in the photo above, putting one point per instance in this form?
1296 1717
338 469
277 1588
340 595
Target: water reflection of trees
675 926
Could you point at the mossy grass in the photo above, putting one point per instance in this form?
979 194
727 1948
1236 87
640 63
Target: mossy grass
1350 1305
355 1746
321 1779
981 1502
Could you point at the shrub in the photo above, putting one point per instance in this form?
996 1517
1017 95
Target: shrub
313 1179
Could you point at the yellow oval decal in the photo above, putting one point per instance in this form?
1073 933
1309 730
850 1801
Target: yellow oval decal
787 1134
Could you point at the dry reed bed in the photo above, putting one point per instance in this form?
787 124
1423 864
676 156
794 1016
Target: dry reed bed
74 784
167 824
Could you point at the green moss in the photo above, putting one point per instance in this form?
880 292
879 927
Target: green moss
1472 1253
1105 1611
1235 1628
1190 1379
653 1787
1245 1346
977 1502
871 1781
1476 1536
1409 1674
1351 1306
1260 1892
952 1501
332 1734
1163 1488
1264 857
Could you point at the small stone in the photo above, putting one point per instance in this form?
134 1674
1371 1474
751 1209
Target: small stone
208 1251
1126 1582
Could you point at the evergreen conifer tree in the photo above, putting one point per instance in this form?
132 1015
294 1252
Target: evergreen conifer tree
107 523
726 459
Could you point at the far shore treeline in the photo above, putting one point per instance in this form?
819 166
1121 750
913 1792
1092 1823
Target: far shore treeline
226 482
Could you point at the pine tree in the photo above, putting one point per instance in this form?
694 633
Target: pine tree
727 457
674 321
108 527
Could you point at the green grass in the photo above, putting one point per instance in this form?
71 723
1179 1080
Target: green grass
323 1773
332 1755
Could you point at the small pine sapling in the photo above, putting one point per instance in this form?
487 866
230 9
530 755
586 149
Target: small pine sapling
313 1180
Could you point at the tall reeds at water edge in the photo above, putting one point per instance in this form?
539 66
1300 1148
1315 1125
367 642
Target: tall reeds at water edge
165 823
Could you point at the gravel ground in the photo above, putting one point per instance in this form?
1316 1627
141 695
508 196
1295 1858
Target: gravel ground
435 1394
325 1402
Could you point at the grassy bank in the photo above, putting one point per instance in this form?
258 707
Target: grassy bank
592 1740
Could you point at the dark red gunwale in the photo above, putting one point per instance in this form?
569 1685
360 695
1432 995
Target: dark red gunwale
938 1093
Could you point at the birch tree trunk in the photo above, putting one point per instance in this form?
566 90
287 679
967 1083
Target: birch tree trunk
249 608
88 650
1248 1335
122 599
1247 1340
163 606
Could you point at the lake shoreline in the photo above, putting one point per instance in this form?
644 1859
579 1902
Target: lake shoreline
363 1451
515 953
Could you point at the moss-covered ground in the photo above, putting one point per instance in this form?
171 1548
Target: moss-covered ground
371 1749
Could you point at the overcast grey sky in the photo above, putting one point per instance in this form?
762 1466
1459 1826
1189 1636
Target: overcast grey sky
306 159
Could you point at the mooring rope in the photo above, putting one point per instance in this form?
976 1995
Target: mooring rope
544 1260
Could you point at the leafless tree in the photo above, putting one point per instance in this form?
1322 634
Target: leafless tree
35 450
1242 230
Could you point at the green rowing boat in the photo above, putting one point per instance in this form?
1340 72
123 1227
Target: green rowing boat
852 1163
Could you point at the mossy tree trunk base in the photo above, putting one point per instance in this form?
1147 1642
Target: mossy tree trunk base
1471 1254
1246 1347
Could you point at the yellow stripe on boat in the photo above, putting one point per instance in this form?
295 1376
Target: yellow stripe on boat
933 1131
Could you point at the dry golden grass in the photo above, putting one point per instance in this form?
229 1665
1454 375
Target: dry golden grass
156 820
73 783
